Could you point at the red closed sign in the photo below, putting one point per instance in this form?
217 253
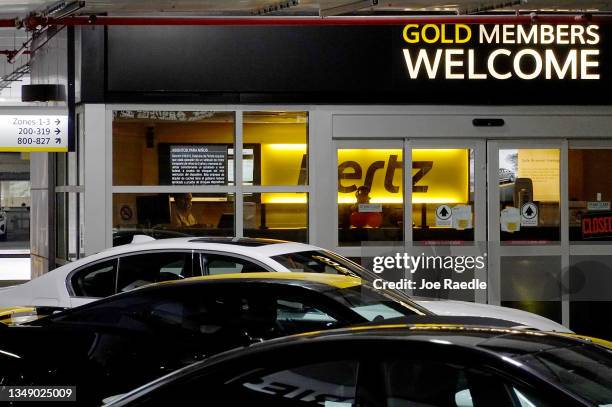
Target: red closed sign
596 225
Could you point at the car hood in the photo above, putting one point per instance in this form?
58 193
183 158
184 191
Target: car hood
463 308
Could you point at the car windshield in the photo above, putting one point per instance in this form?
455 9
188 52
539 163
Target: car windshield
585 370
372 304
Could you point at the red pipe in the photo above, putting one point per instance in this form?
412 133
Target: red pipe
10 23
34 22
11 52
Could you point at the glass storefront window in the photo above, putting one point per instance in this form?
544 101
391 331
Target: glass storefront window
443 195
529 185
276 215
590 194
370 196
172 148
169 215
275 148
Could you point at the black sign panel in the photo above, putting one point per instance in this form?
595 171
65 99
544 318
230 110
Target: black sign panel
440 63
596 225
198 164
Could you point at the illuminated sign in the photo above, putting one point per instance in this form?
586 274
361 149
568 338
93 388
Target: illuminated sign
596 225
438 176
501 52
34 133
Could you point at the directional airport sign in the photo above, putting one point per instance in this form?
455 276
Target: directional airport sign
34 133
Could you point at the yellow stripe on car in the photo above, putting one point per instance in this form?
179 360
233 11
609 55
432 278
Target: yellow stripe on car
597 341
17 315
9 311
334 280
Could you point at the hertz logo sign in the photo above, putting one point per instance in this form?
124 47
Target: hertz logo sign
502 52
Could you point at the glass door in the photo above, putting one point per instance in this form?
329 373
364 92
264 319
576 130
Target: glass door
448 216
590 236
525 223
445 216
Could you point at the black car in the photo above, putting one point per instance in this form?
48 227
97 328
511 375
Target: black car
115 344
394 366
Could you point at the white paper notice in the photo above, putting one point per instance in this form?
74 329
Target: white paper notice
510 220
462 217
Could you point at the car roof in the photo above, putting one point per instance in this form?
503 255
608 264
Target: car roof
498 340
247 246
240 246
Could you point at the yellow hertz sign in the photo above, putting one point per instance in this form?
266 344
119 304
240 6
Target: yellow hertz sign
537 51
438 176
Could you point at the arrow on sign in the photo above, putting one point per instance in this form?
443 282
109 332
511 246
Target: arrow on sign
57 131
529 211
57 122
443 212
58 140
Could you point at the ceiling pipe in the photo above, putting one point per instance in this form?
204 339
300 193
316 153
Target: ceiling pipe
10 23
11 52
35 22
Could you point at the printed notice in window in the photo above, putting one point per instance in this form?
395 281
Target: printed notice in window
198 164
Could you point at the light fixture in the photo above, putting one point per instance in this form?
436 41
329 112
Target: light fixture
63 9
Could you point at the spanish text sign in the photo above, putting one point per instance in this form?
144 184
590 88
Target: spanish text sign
34 133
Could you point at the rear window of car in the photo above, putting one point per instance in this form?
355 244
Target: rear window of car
319 261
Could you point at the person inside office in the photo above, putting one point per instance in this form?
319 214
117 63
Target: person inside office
181 211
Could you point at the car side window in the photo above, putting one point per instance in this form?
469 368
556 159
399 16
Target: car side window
425 383
96 280
146 268
221 264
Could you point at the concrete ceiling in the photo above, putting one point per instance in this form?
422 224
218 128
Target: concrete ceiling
21 8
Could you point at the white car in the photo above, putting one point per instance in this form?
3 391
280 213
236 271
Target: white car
147 261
